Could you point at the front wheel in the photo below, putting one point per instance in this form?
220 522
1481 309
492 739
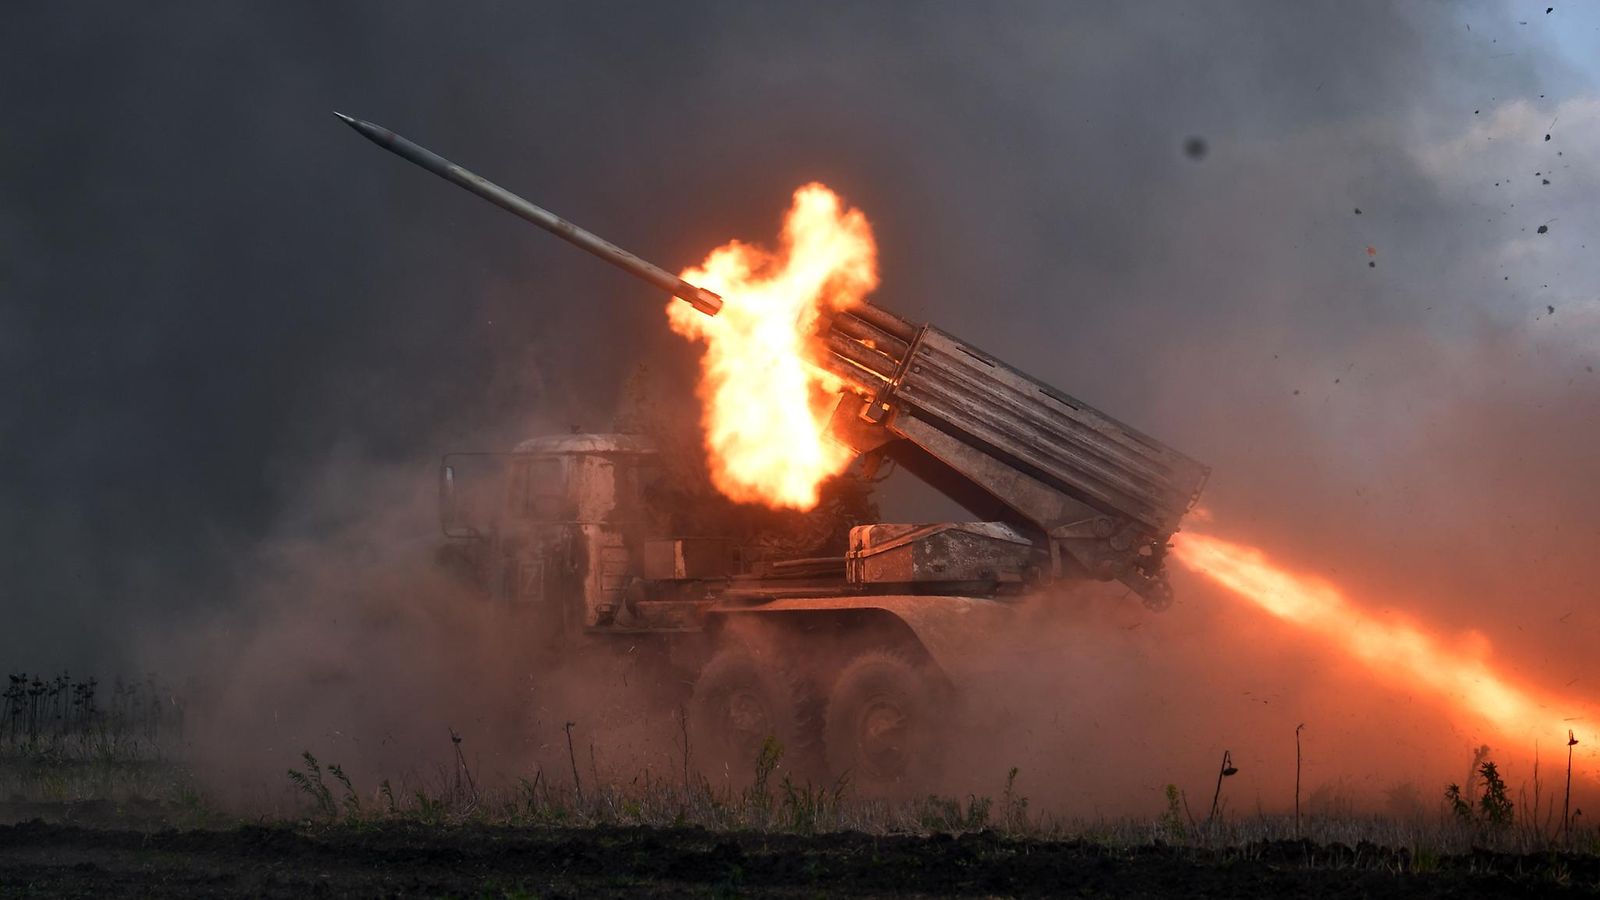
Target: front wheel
739 702
882 729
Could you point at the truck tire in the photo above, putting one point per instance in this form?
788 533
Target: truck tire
882 729
739 701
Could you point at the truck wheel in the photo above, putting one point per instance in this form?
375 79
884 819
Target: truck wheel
882 727
739 701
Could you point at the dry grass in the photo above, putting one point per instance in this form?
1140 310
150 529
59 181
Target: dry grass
789 808
66 740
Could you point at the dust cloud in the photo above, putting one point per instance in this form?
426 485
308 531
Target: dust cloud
1400 400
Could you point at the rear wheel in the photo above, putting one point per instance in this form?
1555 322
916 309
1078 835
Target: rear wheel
883 726
739 701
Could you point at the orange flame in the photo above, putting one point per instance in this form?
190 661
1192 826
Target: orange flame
764 407
1403 653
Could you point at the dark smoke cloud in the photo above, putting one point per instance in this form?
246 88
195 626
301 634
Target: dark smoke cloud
209 289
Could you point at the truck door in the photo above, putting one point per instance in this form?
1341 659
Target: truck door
541 568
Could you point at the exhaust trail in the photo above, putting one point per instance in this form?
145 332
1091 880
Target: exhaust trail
1405 654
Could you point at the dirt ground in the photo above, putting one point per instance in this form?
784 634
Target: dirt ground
410 860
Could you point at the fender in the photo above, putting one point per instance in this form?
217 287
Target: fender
945 626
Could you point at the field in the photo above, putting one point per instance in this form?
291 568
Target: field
412 859
95 801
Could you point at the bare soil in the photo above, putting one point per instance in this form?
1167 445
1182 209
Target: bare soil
413 860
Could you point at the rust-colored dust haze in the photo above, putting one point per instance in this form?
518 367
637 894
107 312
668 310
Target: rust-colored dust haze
1336 252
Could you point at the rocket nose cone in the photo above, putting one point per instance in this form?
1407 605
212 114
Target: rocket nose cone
344 118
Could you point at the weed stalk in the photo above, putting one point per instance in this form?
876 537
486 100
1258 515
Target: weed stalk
1297 730
1566 801
1224 771
572 756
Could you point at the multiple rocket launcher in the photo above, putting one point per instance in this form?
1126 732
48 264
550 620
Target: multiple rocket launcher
1098 498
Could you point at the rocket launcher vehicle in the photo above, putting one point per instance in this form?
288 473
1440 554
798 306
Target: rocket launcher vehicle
1094 497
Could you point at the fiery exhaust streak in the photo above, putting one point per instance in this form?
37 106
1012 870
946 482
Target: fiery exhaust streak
1402 653
764 407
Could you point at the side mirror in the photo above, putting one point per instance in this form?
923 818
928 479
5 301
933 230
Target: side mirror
473 489
455 506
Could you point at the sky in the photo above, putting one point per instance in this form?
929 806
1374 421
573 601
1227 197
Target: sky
219 307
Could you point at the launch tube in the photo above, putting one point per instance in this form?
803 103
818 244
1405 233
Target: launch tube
706 301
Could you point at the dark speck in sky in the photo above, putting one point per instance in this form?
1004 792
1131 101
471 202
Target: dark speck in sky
1543 228
1195 147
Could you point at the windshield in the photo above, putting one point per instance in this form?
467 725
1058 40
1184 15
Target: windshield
538 489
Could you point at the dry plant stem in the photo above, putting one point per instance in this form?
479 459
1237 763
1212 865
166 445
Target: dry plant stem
1533 820
683 725
1223 771
1297 730
1566 801
461 763
1547 830
572 756
1541 832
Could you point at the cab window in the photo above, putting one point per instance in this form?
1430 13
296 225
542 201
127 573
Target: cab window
538 489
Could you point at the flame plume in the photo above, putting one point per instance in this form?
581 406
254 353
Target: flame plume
764 408
1401 653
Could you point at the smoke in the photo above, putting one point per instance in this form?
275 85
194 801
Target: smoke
235 336
348 640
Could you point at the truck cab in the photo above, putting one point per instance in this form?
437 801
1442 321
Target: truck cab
556 527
